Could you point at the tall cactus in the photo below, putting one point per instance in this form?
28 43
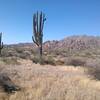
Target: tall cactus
1 43
38 24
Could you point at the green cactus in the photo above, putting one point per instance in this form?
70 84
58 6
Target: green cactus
38 24
1 43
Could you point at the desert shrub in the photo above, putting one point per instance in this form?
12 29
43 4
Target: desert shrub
48 60
92 63
35 59
19 50
75 62
10 60
25 55
93 67
45 60
94 72
32 51
56 52
8 52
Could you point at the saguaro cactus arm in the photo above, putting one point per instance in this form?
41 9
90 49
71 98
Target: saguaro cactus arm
35 41
43 20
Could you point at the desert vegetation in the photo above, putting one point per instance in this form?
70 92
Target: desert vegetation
68 69
47 82
66 75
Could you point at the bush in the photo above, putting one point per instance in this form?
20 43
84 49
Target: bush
25 55
94 72
48 60
35 59
45 60
93 67
76 62
10 60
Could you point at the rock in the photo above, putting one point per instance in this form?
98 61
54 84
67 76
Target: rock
8 84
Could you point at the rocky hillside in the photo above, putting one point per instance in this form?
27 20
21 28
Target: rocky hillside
74 43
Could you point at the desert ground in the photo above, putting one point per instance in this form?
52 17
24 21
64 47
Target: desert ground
48 82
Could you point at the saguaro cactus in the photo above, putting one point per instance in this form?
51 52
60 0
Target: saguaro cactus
38 24
1 43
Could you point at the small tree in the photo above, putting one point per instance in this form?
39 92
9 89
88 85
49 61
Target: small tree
1 43
38 24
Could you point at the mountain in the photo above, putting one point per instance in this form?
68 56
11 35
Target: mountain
74 43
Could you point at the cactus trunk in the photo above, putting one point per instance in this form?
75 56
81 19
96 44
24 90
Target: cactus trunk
40 49
1 44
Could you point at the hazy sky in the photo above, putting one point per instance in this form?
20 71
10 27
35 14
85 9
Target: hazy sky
64 18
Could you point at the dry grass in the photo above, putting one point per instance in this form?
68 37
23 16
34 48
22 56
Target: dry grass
50 83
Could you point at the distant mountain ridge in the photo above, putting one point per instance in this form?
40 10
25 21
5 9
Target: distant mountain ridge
74 43
70 43
83 46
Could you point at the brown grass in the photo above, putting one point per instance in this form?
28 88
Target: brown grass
50 83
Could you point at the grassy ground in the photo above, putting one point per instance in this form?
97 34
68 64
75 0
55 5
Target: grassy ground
50 82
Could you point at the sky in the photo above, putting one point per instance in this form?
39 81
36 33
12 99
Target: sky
64 18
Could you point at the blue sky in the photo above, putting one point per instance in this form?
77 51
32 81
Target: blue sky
64 18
